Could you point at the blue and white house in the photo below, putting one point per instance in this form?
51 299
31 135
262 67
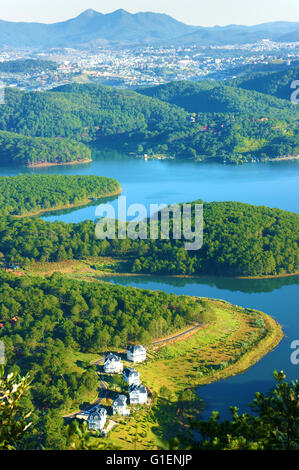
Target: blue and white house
97 418
131 376
113 364
138 395
136 353
120 406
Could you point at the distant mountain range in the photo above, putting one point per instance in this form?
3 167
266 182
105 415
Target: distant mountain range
121 28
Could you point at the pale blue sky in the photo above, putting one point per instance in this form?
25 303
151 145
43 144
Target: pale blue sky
197 12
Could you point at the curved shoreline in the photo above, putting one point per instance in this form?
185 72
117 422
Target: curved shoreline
266 345
70 206
205 348
198 276
47 164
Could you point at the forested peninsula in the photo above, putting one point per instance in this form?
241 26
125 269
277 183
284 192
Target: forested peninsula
33 194
239 240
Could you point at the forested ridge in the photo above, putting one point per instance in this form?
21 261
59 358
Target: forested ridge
209 96
228 122
274 83
24 150
203 120
239 240
30 193
84 112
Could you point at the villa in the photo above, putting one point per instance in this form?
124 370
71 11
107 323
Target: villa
97 419
113 364
120 406
138 395
131 376
136 353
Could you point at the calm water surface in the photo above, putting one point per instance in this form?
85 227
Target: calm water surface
270 184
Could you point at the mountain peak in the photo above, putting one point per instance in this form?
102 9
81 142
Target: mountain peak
121 11
89 12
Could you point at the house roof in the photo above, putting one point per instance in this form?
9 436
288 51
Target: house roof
130 372
138 388
97 413
121 400
112 357
136 349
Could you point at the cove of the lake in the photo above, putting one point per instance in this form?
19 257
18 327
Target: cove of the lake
273 184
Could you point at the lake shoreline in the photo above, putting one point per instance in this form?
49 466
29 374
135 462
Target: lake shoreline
199 276
173 367
49 164
70 206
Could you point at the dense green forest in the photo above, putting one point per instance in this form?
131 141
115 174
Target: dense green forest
30 193
84 112
201 120
46 322
239 240
275 83
27 65
217 97
23 150
229 123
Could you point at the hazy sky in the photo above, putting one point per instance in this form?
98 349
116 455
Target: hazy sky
197 12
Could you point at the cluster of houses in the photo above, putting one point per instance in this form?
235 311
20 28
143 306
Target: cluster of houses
138 394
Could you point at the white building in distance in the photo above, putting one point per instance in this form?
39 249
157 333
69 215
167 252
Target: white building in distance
136 353
113 364
131 376
97 419
120 406
138 395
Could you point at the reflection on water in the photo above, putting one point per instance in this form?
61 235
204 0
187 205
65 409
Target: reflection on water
221 283
63 213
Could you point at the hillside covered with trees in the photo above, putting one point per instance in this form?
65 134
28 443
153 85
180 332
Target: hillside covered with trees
239 240
51 327
16 149
204 120
31 193
275 83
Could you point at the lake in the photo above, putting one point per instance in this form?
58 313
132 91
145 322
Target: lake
274 184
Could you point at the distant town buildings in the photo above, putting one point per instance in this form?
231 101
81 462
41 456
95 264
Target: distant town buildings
145 65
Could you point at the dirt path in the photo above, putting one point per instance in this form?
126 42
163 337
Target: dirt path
177 335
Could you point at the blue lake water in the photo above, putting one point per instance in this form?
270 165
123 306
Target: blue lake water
157 182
